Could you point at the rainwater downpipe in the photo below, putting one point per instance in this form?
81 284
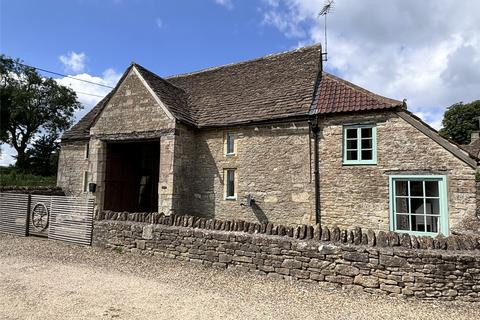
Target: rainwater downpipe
316 166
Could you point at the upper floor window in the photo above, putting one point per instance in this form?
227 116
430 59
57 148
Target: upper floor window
87 150
360 144
229 144
418 204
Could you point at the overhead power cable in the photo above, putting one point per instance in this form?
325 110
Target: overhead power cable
64 75
89 94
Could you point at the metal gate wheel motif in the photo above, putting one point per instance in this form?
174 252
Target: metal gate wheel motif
40 216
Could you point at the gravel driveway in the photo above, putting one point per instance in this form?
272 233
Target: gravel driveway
44 279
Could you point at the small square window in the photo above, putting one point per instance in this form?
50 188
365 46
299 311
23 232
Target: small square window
230 192
359 146
229 143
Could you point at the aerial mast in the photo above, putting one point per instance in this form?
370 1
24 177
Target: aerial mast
324 12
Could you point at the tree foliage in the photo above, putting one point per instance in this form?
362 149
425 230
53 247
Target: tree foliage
43 155
32 105
460 120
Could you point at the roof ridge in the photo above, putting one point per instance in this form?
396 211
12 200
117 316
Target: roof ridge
159 77
362 90
268 56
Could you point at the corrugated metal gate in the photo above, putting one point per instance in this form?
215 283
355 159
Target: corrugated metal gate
56 217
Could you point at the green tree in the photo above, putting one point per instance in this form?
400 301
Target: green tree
460 120
32 105
43 155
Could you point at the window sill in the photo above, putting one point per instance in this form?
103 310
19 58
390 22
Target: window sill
230 154
230 198
420 233
350 164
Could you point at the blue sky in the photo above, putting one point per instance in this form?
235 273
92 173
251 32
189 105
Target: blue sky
424 51
166 36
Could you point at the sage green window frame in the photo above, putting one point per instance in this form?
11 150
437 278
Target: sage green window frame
359 148
442 197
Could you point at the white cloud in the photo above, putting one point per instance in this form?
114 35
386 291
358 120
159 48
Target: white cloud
88 95
73 62
225 3
424 51
159 23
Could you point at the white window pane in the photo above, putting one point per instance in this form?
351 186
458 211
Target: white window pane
352 144
417 205
352 155
230 143
401 205
230 183
432 224
367 132
401 188
367 154
418 223
367 143
416 188
431 188
432 206
403 222
351 133
85 181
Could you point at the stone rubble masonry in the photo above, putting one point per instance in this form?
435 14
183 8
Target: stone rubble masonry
359 195
132 108
71 166
272 164
395 271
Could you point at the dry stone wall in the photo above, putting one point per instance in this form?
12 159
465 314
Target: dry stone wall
376 263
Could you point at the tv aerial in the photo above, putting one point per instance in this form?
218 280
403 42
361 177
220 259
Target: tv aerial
324 12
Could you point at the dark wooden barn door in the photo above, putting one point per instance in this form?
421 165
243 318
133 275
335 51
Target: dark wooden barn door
131 177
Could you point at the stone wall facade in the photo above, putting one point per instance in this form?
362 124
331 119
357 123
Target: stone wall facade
272 164
72 164
359 195
398 271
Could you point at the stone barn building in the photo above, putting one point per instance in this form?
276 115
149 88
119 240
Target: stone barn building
306 146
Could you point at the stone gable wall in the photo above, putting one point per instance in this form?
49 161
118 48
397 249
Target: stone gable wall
424 274
131 109
359 195
71 167
272 163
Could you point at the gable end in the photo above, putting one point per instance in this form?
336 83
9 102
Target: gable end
433 134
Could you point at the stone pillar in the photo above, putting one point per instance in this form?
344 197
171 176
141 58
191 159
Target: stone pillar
98 157
166 175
